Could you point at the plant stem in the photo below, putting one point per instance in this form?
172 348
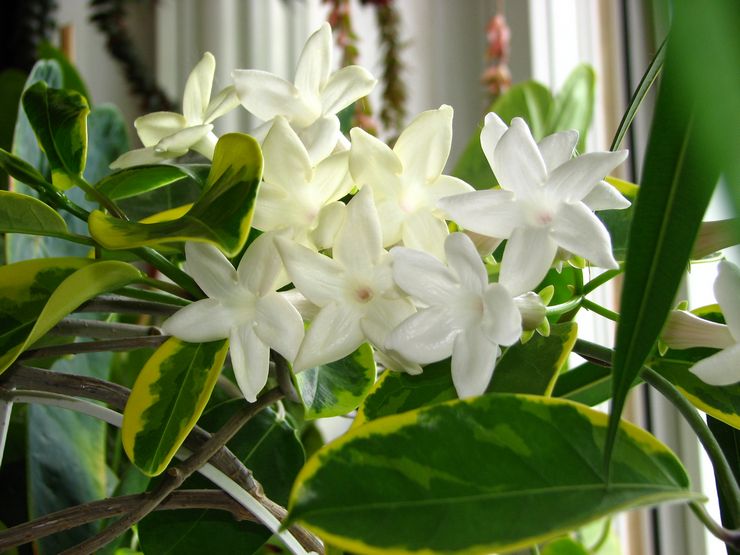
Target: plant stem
163 286
127 344
730 537
562 308
122 305
170 270
722 470
175 476
154 296
107 508
102 330
598 309
102 200
603 536
600 280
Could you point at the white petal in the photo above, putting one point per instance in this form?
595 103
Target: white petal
305 308
331 218
333 334
578 230
605 197
154 127
684 330
573 180
210 269
473 360
320 138
222 103
721 368
493 129
358 244
727 293
180 142
424 232
556 149
493 213
423 276
372 163
527 258
423 147
206 146
286 160
314 65
392 219
502 320
383 316
139 157
518 164
274 208
317 276
331 180
464 261
260 265
426 336
445 186
201 321
250 359
198 89
279 325
266 95
344 87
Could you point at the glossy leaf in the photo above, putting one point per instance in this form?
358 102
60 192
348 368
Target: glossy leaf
471 470
21 170
59 120
167 399
339 387
36 294
70 75
141 179
25 214
108 139
573 106
618 222
221 216
677 182
587 383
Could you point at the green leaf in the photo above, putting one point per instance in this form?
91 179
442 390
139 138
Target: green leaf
618 222
22 171
167 399
564 546
59 120
107 140
221 216
677 182
141 179
588 383
339 387
36 294
478 466
25 214
533 367
70 76
573 107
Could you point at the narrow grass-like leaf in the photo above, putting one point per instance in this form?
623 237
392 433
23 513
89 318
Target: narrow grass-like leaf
221 216
25 214
36 294
167 399
339 387
141 179
471 469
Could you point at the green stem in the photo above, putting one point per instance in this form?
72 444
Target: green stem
603 536
598 309
57 199
722 470
600 280
562 308
163 286
730 537
155 296
102 200
170 270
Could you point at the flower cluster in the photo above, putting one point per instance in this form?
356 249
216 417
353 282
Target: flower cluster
361 229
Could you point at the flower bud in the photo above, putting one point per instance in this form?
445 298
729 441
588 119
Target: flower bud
532 309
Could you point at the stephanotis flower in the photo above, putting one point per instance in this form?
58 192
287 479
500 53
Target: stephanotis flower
354 290
298 196
242 306
167 135
311 103
545 201
407 181
684 330
465 316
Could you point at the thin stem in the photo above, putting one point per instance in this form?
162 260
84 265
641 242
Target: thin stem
107 508
103 200
122 305
730 537
170 270
177 475
162 285
600 280
154 296
603 536
562 308
102 330
57 199
722 470
127 344
598 309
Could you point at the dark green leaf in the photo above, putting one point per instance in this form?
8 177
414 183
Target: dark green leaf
141 179
22 171
108 139
618 222
70 76
588 383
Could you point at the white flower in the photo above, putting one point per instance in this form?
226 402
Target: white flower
545 201
465 316
407 181
243 307
354 290
167 135
298 196
683 330
311 103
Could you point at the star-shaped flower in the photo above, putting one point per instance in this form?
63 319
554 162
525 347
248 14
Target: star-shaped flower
311 103
167 135
354 290
546 201
243 307
407 182
298 196
684 330
465 316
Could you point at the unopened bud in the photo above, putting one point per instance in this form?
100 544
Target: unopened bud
533 310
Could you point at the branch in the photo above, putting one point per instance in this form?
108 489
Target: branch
108 345
176 475
107 508
102 330
730 537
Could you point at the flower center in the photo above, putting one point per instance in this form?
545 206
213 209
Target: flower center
363 294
